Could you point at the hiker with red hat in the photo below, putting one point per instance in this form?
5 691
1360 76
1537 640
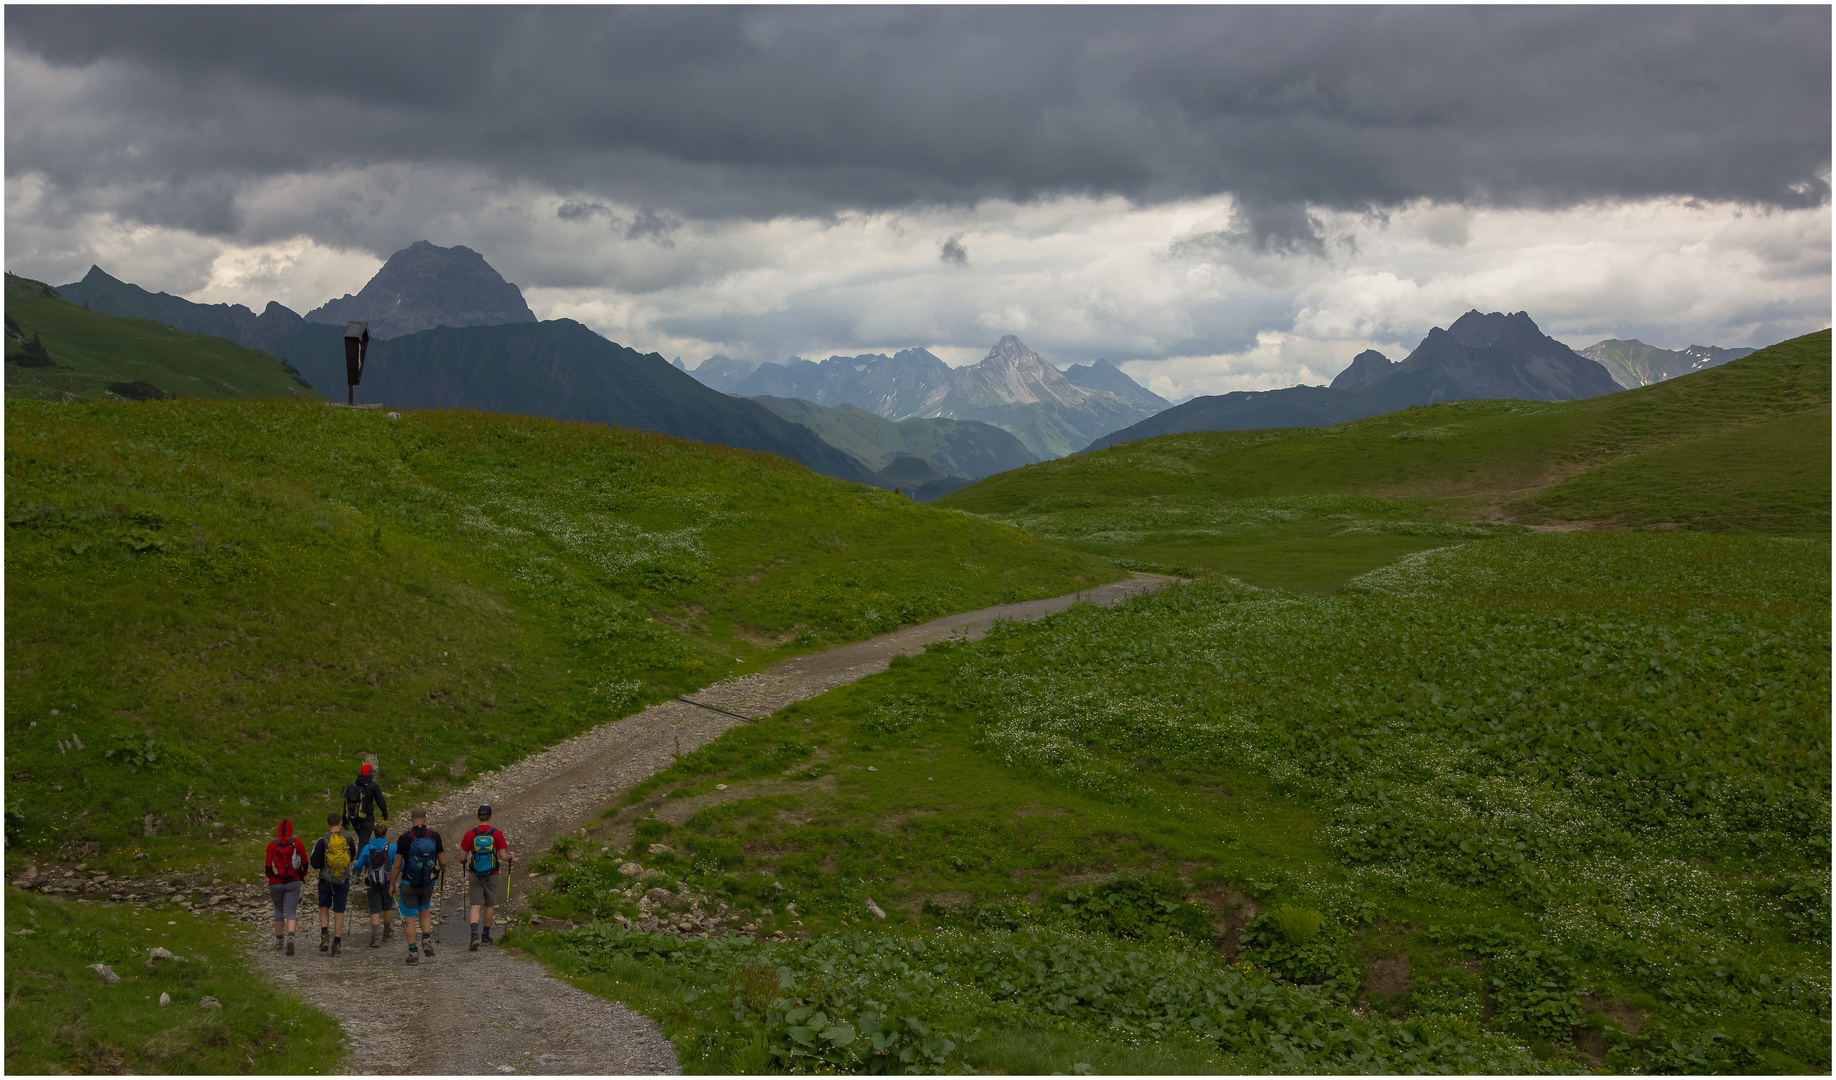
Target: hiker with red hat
364 803
286 868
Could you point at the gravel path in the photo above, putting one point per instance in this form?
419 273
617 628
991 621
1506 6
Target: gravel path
495 1011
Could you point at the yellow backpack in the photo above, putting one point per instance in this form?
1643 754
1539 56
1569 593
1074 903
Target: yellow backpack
337 859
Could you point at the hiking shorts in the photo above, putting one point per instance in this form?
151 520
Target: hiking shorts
487 890
414 899
379 900
286 899
334 896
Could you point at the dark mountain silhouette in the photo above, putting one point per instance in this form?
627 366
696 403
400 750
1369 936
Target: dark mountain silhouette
1480 356
1367 367
423 286
1486 357
559 369
1104 375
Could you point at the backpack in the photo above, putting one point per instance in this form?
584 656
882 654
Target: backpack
284 861
484 854
418 860
337 859
376 864
353 802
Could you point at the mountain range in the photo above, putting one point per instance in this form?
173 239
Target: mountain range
1480 356
1012 388
1634 363
423 286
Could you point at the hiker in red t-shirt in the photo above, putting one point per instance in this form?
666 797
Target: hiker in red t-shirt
487 855
286 868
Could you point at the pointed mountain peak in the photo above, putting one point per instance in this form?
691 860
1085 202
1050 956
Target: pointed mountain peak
1010 351
423 286
1367 367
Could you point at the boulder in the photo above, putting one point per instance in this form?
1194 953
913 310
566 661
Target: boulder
106 973
209 1003
165 999
875 909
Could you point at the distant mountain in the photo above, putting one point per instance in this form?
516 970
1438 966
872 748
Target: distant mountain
962 448
1012 388
1480 356
423 286
1250 410
1634 363
1104 375
1366 368
1490 356
558 369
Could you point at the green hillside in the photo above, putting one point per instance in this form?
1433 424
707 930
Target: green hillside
214 607
1742 446
88 356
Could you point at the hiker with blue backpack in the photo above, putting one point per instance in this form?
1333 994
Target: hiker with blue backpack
420 861
487 860
375 865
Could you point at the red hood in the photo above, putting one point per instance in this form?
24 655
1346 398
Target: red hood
285 832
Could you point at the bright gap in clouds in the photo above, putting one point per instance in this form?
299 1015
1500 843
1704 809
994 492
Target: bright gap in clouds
1165 291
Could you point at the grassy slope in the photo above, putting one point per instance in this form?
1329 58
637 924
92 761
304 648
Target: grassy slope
1563 795
93 350
256 593
1745 445
62 1018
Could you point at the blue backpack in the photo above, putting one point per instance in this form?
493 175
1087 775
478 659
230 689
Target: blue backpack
418 860
484 854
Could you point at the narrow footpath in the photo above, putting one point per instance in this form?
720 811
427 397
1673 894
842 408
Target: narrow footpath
497 1012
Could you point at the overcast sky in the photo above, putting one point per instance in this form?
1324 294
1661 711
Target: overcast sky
1217 198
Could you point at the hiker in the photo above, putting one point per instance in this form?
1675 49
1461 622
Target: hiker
374 866
364 803
486 854
420 859
286 868
332 857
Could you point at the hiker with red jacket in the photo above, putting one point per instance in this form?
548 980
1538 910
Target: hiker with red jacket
286 868
487 854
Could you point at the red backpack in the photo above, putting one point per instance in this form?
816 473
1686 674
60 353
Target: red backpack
286 859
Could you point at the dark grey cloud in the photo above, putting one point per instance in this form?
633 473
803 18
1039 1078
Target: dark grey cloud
164 114
953 252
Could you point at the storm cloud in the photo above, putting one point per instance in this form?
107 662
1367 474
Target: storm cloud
646 151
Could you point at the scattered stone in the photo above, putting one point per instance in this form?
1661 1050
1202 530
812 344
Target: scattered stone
630 869
661 849
209 1003
875 909
165 998
24 933
108 975
160 953
871 768
506 1068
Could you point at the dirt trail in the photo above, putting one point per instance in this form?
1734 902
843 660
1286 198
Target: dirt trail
497 1012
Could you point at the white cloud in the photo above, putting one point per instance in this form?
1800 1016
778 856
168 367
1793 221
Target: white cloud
1160 289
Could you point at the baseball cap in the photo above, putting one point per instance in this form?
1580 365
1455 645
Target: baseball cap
419 813
484 811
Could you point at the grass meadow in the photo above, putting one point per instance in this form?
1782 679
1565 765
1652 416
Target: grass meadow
1554 801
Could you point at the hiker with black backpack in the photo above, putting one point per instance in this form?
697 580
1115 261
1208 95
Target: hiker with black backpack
364 803
285 865
333 857
487 853
420 861
374 866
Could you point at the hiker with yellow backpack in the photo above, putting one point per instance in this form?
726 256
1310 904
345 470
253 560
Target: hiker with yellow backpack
333 856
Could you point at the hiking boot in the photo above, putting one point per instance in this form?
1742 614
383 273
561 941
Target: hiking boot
325 941
414 957
375 941
474 943
289 946
486 939
427 951
336 944
388 931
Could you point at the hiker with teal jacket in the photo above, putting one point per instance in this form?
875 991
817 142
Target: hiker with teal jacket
420 861
487 856
374 868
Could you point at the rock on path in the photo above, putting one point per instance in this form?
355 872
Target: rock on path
476 1013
